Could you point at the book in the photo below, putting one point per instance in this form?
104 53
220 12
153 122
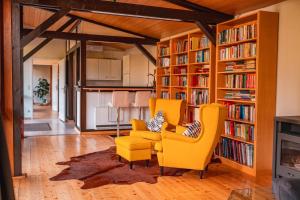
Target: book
181 46
199 42
164 62
199 81
241 112
240 81
235 129
245 50
199 96
181 81
202 56
164 95
237 151
240 65
181 59
180 95
164 51
165 81
240 95
243 32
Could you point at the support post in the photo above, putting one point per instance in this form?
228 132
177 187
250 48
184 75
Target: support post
82 85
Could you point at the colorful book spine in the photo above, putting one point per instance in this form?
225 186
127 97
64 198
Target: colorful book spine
182 81
165 62
199 97
165 81
182 60
199 42
181 46
240 81
244 32
238 151
164 51
240 95
199 81
180 95
165 95
202 56
180 70
245 50
241 112
235 129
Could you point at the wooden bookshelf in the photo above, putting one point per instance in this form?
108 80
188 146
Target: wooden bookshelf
239 67
186 69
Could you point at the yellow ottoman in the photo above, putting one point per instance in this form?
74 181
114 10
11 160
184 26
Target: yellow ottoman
133 149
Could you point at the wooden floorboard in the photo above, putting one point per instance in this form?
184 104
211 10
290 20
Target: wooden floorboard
41 153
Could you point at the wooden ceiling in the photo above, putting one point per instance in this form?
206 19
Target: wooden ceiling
151 27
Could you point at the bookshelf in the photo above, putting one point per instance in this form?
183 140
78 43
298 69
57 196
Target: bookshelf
189 70
246 55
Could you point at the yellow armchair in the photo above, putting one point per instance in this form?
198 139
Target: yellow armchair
178 151
173 112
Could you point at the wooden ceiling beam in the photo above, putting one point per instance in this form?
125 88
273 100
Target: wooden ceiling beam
103 38
126 9
198 8
146 53
106 25
43 27
207 30
46 41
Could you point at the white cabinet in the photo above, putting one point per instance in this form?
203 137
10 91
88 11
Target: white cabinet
103 69
92 68
115 70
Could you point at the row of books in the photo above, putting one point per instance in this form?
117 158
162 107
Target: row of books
164 95
240 95
239 51
193 114
165 81
165 62
202 56
181 46
180 70
180 95
236 34
199 97
240 65
241 112
199 42
244 131
199 81
164 51
182 59
240 81
181 80
202 69
238 151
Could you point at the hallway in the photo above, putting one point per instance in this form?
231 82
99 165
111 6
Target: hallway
45 115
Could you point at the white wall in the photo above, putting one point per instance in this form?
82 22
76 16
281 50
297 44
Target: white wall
43 72
288 67
28 101
139 67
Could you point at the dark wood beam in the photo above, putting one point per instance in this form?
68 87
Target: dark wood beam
104 38
78 21
108 26
146 53
43 27
207 30
126 9
46 41
199 8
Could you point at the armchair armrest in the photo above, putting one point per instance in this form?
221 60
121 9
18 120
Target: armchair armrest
138 125
178 137
180 129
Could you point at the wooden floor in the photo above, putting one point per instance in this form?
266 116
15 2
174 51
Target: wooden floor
41 153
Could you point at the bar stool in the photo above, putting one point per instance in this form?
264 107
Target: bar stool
120 99
141 101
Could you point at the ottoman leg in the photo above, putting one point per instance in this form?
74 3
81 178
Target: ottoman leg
147 163
130 165
161 171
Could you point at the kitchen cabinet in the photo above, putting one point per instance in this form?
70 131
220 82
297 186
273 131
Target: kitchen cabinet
103 69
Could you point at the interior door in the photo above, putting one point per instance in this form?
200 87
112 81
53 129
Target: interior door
55 87
62 90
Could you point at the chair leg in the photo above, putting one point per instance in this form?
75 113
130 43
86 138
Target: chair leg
118 122
147 163
120 158
206 168
161 171
130 165
201 174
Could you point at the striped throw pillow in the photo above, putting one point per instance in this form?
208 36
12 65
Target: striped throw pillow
155 124
193 130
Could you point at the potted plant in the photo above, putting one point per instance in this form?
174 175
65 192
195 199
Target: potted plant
42 90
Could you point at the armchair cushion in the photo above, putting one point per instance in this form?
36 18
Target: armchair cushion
193 130
158 147
171 136
138 125
155 124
